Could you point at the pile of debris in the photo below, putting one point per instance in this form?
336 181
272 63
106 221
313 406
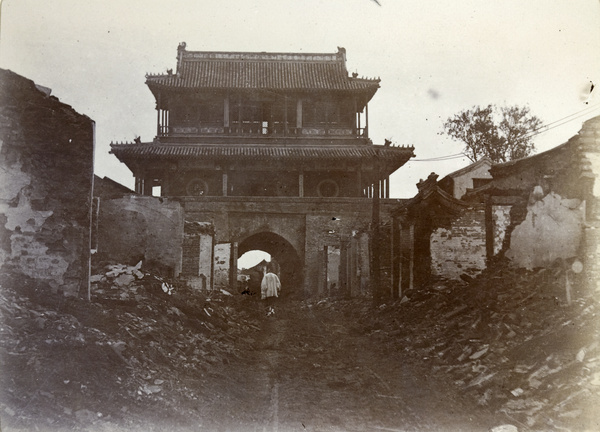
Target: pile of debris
520 342
136 340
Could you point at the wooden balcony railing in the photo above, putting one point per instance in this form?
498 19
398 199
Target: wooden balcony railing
263 129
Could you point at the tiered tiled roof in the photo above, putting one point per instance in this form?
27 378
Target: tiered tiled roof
393 156
269 71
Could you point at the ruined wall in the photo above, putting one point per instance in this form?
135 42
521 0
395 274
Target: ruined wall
589 140
222 264
333 270
405 251
146 228
500 222
552 229
197 254
46 179
335 231
106 188
461 247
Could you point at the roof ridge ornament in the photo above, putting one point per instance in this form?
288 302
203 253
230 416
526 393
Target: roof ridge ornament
180 53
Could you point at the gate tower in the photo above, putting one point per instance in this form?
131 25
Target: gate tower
268 151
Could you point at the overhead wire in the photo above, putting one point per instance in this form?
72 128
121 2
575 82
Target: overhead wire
440 158
562 121
545 128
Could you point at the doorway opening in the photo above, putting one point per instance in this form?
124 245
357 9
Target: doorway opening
268 248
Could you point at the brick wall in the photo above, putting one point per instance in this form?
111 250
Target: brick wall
46 178
344 232
222 265
191 255
145 228
461 247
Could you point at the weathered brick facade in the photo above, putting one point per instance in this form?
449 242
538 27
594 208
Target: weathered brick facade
461 247
436 235
46 161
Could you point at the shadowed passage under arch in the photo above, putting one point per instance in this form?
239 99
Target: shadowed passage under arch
291 266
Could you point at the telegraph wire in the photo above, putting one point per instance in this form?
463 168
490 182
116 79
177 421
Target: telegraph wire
589 108
562 121
538 131
440 158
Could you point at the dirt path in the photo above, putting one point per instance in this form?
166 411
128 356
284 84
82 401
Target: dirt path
315 370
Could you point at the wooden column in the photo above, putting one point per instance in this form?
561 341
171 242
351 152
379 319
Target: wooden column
367 120
344 277
411 256
359 181
158 128
285 116
239 131
224 183
355 125
387 187
226 111
158 132
376 287
233 267
299 113
301 184
397 252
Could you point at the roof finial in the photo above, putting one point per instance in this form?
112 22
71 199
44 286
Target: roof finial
181 46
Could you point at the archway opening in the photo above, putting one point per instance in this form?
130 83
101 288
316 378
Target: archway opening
252 258
285 258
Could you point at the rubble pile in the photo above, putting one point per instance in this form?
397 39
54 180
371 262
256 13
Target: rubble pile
139 337
513 340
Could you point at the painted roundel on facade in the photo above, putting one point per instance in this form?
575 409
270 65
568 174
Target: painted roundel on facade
197 187
328 188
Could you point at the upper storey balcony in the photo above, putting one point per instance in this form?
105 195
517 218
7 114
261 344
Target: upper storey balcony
217 96
264 120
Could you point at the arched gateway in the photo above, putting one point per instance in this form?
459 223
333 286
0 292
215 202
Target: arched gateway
253 144
290 264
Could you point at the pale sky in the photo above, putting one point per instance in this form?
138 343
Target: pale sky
434 59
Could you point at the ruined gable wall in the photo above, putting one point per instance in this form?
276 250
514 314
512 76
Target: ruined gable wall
555 214
46 177
590 149
552 229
